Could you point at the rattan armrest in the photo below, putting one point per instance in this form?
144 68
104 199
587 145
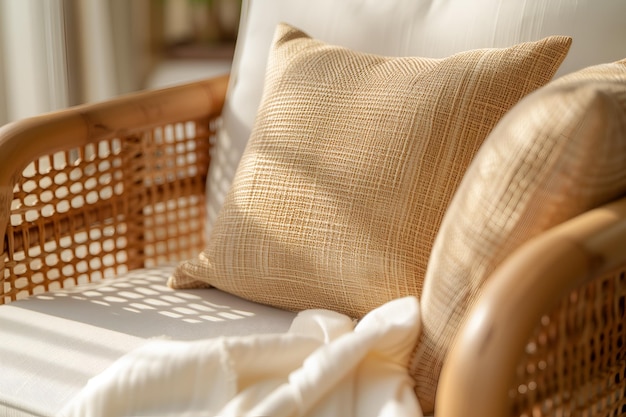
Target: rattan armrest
547 334
100 188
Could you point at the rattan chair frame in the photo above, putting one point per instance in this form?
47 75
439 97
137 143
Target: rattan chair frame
96 190
93 191
549 327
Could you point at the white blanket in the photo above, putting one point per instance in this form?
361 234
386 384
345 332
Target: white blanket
323 366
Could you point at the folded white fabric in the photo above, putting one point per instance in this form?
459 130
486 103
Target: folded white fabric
324 365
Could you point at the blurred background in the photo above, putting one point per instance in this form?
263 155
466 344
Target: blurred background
59 53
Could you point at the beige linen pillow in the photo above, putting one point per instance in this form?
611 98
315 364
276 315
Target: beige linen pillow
349 169
560 152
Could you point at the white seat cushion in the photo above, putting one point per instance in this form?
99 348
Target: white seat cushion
52 344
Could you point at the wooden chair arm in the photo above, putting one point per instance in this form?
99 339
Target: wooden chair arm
21 142
548 330
117 166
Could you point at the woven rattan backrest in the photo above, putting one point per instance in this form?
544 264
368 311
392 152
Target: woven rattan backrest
575 363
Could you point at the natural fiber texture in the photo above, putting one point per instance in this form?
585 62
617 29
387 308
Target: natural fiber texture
575 361
351 165
120 203
558 153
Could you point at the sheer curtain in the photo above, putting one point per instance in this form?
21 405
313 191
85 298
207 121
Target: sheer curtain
57 53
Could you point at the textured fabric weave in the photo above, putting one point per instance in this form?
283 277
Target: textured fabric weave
558 153
350 167
323 366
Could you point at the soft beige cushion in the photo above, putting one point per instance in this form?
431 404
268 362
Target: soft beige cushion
350 167
559 152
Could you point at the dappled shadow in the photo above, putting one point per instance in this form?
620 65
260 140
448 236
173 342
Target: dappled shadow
142 305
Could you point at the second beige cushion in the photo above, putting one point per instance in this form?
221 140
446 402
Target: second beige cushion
560 152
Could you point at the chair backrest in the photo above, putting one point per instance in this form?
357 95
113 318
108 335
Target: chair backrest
401 28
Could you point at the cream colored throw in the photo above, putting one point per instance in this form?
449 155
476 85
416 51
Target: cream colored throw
324 366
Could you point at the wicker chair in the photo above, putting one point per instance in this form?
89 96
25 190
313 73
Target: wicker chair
93 191
139 162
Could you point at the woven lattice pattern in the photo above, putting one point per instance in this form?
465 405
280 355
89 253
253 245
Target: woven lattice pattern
575 363
93 212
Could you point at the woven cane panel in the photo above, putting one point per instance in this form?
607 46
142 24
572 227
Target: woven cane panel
173 203
575 363
88 213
